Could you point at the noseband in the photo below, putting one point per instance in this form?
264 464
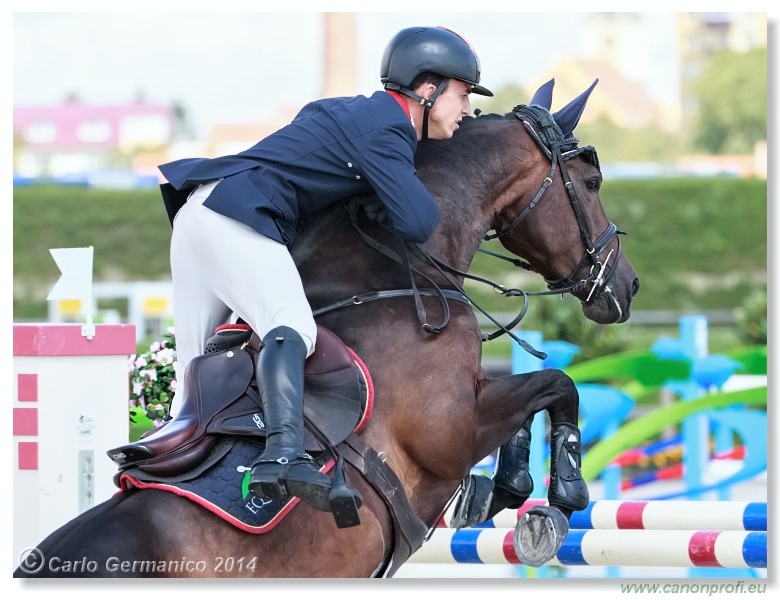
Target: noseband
545 132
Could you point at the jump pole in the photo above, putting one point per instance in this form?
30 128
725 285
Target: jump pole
717 515
603 547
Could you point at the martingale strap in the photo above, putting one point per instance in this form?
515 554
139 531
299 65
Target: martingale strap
417 294
458 293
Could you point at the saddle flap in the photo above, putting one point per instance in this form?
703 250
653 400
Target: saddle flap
330 354
220 377
334 403
221 398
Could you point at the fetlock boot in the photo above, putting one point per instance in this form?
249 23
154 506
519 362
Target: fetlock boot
284 469
513 473
568 490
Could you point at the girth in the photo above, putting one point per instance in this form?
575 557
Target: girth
409 532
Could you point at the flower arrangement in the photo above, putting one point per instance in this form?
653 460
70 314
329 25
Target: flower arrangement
152 382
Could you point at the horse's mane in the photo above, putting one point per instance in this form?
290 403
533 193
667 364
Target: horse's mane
465 152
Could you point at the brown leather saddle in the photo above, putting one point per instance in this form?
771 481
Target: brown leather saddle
221 398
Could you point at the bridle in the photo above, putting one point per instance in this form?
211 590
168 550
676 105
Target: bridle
558 149
545 132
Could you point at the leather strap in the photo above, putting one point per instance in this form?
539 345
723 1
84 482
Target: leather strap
409 532
385 294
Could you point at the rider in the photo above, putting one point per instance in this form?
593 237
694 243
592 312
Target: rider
234 216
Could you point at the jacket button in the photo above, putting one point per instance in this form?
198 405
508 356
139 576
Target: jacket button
349 165
357 176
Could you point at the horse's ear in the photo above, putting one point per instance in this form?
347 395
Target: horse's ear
568 117
543 96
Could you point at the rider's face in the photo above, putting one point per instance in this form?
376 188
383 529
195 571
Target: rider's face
448 110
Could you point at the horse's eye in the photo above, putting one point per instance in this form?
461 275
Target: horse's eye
593 184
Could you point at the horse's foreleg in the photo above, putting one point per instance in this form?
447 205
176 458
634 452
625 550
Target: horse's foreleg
553 391
541 531
504 402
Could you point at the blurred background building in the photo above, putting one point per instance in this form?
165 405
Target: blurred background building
120 145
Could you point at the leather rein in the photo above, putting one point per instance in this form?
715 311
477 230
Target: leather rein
558 149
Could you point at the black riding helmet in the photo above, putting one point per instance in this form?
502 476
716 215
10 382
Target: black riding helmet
438 50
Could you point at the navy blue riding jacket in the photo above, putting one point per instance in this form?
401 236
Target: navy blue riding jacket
334 148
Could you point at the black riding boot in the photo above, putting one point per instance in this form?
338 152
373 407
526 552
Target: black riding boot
568 491
513 474
284 469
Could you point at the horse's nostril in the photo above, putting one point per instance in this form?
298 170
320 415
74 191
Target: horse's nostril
635 287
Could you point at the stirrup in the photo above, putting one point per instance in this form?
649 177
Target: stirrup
273 483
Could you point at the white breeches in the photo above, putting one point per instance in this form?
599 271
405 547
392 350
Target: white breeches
219 267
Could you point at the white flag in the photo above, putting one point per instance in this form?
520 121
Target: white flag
76 267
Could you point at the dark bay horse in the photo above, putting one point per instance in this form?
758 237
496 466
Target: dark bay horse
435 414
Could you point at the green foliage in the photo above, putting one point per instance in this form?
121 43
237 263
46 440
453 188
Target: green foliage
648 144
732 98
129 230
697 243
751 318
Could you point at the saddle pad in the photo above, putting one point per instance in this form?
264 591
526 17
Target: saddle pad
223 487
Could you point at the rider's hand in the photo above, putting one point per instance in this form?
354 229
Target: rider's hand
374 209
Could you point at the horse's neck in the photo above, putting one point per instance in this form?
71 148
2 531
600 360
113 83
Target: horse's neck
465 175
336 263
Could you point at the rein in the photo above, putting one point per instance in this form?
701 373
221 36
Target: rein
458 293
558 150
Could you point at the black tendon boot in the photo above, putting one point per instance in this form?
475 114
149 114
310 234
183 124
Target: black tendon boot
567 488
540 531
284 469
481 498
513 474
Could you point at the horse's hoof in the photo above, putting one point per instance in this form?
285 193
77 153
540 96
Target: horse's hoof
539 534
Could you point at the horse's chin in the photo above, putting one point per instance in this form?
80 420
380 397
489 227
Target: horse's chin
606 309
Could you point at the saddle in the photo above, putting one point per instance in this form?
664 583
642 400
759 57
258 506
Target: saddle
221 398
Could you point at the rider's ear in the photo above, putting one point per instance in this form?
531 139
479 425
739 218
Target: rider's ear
426 90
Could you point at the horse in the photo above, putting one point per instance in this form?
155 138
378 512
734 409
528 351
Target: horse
403 310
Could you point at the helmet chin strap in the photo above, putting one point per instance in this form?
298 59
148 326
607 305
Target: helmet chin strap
427 103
